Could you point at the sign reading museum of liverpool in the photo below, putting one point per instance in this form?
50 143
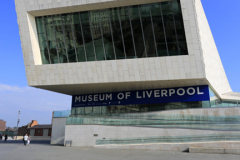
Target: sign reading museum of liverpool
182 94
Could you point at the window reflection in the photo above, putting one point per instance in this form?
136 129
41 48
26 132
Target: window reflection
159 29
51 40
78 36
179 27
149 30
107 34
87 36
169 28
117 33
57 22
97 35
137 31
127 34
68 34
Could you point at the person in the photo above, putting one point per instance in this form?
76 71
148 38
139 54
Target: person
28 140
6 137
25 138
0 137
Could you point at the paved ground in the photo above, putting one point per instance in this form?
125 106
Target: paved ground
42 150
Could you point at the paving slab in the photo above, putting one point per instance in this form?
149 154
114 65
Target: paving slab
42 150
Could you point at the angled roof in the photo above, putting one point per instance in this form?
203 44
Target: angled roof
43 126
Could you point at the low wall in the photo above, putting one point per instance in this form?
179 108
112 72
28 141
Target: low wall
86 135
180 147
58 131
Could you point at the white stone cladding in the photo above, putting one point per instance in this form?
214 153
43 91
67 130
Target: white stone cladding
214 70
201 67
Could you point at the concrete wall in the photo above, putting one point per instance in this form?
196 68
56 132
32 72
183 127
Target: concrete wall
178 147
83 135
58 131
32 132
45 132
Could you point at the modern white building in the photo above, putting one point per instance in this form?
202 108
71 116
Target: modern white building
128 60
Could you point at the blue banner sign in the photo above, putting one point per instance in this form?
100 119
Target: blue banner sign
181 94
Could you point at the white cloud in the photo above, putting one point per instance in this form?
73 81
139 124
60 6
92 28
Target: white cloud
4 88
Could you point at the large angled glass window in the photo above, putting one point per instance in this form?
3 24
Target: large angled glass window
117 34
147 29
159 30
137 31
57 22
97 35
87 36
169 28
78 37
179 27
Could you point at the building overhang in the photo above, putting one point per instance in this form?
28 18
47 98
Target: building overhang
93 88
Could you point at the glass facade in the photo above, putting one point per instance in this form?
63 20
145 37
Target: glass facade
137 108
217 102
148 30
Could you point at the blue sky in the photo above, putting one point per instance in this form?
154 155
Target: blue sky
38 104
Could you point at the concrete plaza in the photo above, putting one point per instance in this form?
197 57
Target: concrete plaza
42 150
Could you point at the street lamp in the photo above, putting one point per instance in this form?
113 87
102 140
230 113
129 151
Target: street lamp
18 123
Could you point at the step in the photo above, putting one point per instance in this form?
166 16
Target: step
215 150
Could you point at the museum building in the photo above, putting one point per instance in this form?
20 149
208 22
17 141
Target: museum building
124 62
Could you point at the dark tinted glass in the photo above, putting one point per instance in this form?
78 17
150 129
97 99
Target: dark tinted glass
149 30
169 28
87 36
69 41
137 31
78 37
127 33
117 34
57 22
159 29
179 27
97 35
51 39
107 34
